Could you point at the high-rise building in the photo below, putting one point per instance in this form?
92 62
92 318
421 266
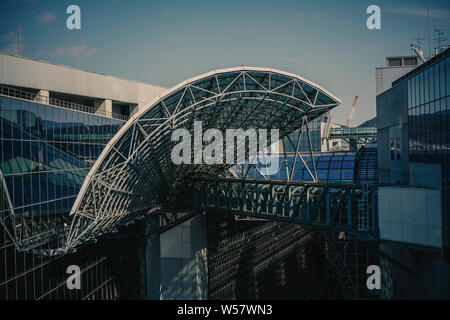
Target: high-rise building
413 165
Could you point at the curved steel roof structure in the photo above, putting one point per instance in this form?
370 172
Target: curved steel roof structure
135 174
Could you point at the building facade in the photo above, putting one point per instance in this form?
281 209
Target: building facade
46 152
429 124
52 130
413 164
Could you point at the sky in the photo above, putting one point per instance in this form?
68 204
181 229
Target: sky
167 42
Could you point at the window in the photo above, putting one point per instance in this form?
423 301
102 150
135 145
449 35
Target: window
427 87
416 89
409 94
436 81
334 175
447 70
394 62
411 61
442 78
421 88
431 83
348 164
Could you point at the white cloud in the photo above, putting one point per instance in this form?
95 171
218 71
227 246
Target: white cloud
11 48
318 16
8 42
47 17
301 17
8 36
91 52
75 51
422 12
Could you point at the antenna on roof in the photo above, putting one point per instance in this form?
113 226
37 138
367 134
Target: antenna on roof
419 52
417 49
439 39
418 41
18 27
429 37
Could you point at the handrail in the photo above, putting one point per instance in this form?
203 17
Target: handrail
17 93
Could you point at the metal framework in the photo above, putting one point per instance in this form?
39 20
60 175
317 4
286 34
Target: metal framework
134 174
363 135
325 206
349 260
7 220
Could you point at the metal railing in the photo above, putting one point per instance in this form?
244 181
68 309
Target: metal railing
17 93
364 131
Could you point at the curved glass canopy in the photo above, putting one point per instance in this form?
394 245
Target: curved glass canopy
135 175
333 167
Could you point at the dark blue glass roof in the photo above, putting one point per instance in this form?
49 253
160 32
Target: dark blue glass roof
336 167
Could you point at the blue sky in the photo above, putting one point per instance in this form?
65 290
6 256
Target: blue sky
166 42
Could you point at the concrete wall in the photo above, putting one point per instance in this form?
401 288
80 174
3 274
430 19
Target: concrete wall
410 215
29 73
184 261
385 77
427 175
392 122
430 279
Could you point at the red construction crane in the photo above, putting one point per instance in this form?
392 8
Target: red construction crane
352 112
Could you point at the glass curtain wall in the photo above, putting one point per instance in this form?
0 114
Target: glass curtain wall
429 122
46 152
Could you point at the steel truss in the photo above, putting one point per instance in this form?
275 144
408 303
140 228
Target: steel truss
135 172
357 136
331 211
135 176
348 260
326 206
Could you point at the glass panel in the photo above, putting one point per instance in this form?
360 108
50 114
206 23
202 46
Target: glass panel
421 89
442 78
347 174
323 165
307 175
436 81
431 81
322 174
447 76
57 124
334 175
409 94
49 123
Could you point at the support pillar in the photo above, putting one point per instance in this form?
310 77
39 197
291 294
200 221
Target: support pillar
151 260
103 108
43 96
